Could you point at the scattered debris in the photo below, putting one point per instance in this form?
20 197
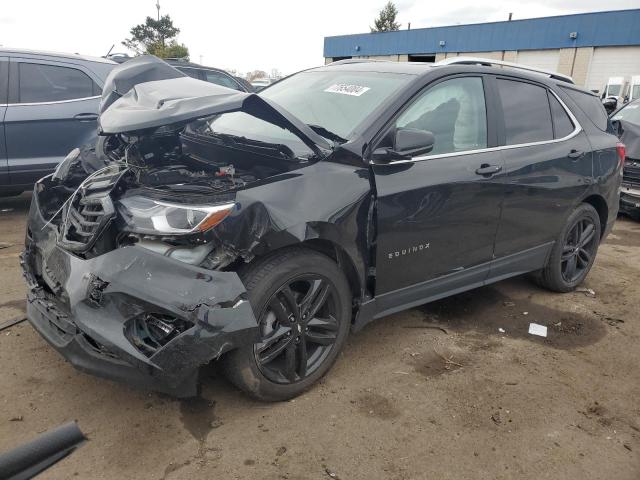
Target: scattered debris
501 330
626 446
6 210
496 418
281 451
401 373
511 383
587 291
509 304
5 245
428 326
536 329
19 418
331 473
12 322
447 361
525 313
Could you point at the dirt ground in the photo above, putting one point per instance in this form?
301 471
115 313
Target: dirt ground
434 392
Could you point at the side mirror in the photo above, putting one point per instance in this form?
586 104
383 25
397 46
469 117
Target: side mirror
610 104
410 142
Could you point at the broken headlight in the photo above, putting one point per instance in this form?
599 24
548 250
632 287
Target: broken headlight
154 217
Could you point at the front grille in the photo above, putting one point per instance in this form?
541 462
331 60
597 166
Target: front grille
631 173
84 219
89 211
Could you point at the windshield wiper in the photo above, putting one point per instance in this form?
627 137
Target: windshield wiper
327 133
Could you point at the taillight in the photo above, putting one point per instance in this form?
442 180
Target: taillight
622 152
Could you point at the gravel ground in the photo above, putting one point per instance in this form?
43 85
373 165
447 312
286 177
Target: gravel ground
435 392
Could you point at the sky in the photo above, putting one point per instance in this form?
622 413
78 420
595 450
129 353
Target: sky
249 35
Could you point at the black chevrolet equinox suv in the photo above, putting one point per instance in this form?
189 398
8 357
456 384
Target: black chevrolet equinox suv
258 230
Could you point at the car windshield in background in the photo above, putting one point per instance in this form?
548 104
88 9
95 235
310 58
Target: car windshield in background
335 101
629 113
614 90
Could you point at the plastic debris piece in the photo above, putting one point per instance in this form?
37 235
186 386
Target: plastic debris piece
536 329
501 330
587 291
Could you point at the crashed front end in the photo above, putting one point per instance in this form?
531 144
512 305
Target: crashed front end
131 249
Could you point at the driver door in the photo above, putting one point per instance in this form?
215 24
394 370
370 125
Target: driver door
438 212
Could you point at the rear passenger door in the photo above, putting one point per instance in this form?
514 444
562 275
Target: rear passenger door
548 165
53 108
4 89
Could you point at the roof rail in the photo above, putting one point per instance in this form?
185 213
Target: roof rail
489 62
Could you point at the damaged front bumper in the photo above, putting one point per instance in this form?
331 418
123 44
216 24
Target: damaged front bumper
131 314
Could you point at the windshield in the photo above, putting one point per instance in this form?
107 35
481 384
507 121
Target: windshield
635 92
332 103
630 113
336 101
613 90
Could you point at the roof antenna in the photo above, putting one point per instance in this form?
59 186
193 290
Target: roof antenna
110 50
510 16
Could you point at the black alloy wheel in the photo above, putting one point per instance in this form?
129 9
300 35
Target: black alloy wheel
579 248
574 251
302 303
298 329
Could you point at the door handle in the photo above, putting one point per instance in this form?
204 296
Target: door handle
575 154
488 170
86 117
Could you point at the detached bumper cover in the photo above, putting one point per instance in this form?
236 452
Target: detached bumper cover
629 198
84 309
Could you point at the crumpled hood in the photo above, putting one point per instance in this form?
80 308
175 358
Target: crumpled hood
631 139
146 93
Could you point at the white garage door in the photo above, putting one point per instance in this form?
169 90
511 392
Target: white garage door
544 59
612 62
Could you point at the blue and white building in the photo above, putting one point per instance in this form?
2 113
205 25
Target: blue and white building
591 47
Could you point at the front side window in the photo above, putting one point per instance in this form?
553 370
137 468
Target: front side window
50 83
527 117
454 111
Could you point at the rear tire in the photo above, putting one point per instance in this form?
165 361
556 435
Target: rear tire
302 302
573 253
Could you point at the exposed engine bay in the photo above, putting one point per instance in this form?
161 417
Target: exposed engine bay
157 189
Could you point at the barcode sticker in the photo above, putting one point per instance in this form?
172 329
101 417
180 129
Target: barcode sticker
346 89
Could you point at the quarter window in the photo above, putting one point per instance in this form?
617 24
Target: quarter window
454 111
49 83
527 117
562 124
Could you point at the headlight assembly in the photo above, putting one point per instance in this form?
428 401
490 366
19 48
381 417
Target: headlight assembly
154 217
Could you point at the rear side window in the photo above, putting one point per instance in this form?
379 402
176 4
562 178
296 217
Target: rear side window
4 79
192 72
591 106
49 83
527 117
562 124
220 79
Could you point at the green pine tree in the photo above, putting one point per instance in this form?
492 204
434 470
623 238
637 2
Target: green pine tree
386 21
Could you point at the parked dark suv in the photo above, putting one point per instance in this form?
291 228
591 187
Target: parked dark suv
260 229
48 105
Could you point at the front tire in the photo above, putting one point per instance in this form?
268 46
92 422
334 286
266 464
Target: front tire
574 252
302 302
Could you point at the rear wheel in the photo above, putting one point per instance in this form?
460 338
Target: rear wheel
302 302
574 251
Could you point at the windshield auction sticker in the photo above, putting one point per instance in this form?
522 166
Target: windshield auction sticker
345 89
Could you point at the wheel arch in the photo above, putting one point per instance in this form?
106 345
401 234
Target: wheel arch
600 204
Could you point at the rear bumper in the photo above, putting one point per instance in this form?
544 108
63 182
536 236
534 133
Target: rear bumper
87 310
